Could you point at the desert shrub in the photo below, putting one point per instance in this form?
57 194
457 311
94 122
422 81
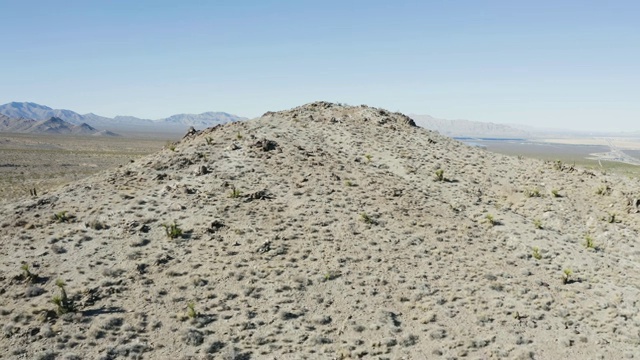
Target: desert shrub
491 220
366 218
537 223
588 242
63 304
535 192
536 253
235 193
172 230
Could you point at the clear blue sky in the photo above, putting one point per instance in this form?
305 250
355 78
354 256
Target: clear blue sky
567 64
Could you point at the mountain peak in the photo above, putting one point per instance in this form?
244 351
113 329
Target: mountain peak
26 105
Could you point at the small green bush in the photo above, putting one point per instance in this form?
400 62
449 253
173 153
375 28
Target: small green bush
537 223
536 253
27 274
603 190
61 217
535 192
366 218
439 175
235 193
491 220
191 310
172 230
589 244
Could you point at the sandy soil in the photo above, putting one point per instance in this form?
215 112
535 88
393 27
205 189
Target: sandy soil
324 232
45 162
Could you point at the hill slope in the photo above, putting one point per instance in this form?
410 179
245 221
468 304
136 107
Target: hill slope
321 232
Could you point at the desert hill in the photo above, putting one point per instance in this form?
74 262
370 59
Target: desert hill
52 125
175 123
324 232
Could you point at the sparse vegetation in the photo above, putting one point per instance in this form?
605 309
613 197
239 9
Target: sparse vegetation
209 140
172 230
537 223
368 157
331 275
603 190
27 274
555 193
366 218
536 253
63 303
191 310
611 218
235 193
171 146
239 136
491 220
566 276
589 244
535 192
61 217
439 175
349 183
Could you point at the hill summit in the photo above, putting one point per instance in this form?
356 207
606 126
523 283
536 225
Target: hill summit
325 232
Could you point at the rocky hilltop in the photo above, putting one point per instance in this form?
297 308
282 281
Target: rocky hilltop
324 232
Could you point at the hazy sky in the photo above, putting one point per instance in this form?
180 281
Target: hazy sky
564 64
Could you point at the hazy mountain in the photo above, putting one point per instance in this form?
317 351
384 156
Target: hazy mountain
52 125
33 111
8 124
173 124
466 128
202 120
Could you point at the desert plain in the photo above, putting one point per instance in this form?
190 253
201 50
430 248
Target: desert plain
323 232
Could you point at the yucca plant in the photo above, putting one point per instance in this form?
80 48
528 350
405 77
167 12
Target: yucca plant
172 230
589 243
28 275
235 193
63 303
191 310
536 253
566 276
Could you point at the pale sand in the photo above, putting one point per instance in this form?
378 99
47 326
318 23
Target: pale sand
337 243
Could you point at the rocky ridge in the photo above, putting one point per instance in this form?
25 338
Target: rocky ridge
321 232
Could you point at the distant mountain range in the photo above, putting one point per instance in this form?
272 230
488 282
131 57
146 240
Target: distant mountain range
174 124
53 125
466 128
